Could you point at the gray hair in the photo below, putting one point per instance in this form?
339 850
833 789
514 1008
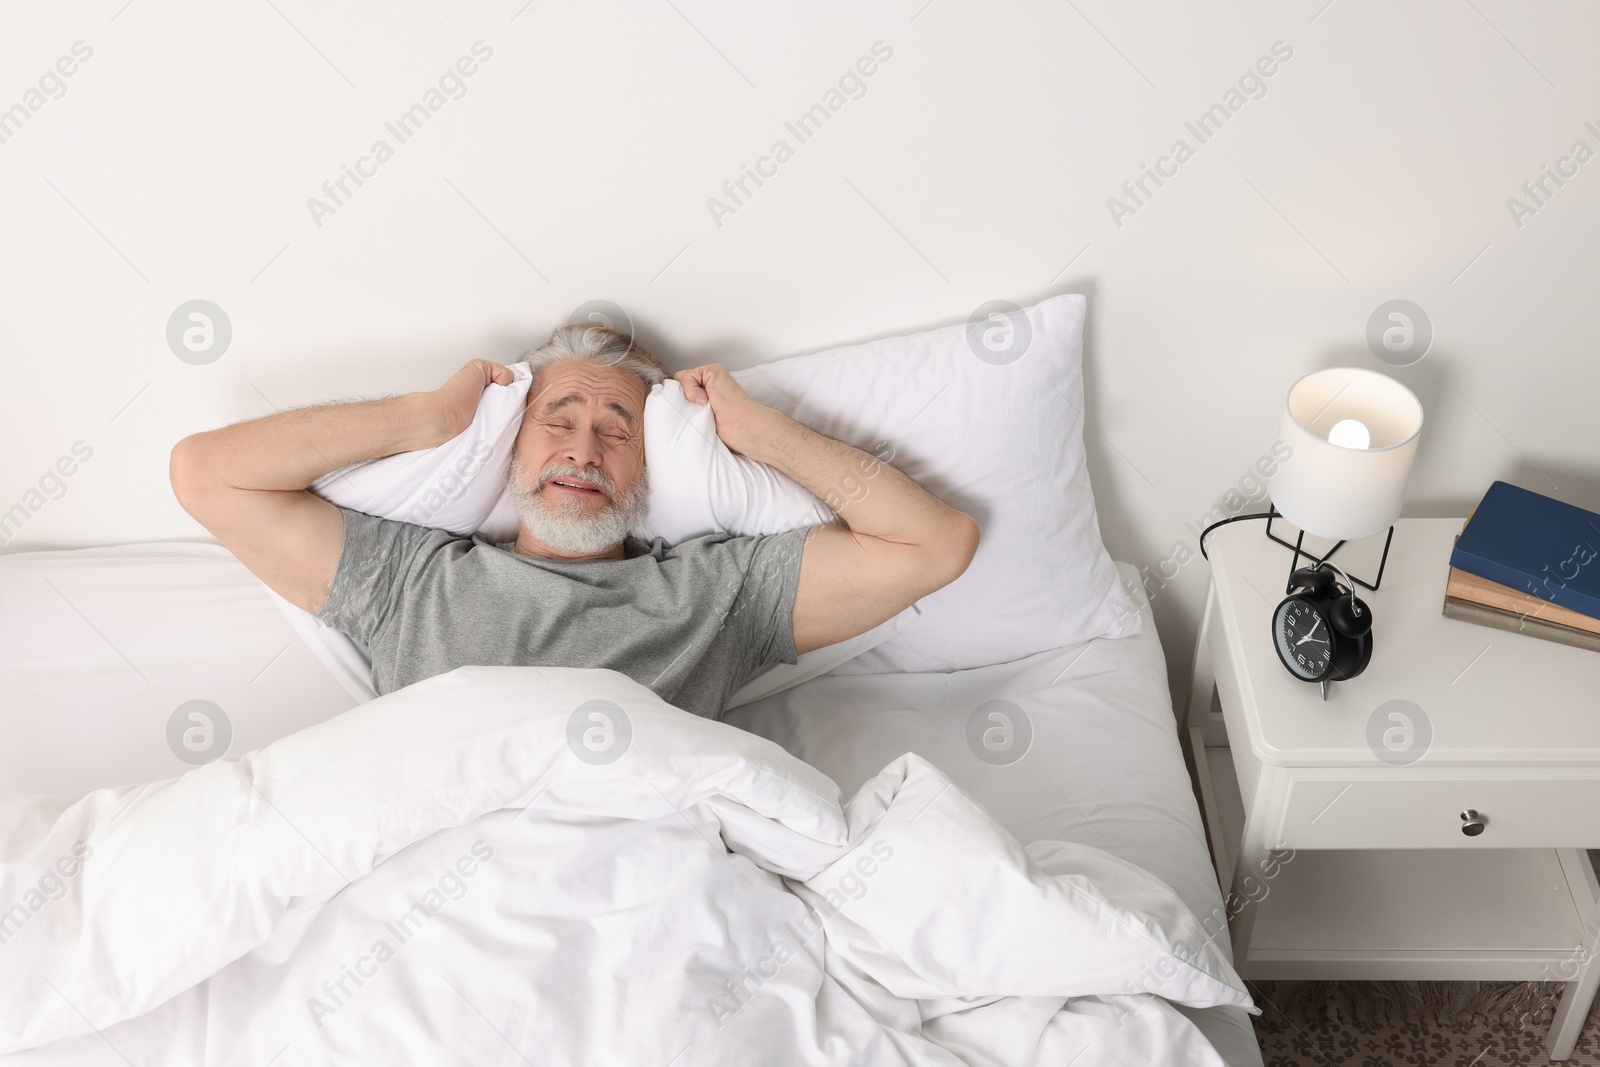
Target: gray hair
600 345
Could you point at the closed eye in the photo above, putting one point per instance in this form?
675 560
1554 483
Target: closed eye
620 438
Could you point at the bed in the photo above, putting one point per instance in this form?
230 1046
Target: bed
146 629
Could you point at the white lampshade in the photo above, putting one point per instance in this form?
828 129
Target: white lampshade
1335 490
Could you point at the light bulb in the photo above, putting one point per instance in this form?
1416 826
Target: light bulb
1349 433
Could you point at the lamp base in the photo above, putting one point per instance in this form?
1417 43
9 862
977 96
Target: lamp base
1299 550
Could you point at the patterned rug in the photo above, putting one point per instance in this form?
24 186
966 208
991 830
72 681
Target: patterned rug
1416 1024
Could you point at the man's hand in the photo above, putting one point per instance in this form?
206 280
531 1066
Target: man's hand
454 403
738 417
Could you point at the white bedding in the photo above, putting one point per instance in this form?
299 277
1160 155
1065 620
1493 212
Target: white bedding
98 646
458 873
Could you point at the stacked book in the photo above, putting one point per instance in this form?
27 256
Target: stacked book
1528 564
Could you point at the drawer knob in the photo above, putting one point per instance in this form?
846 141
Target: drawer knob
1472 823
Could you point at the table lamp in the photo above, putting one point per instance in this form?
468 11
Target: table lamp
1354 435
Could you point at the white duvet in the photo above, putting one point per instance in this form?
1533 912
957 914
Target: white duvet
508 865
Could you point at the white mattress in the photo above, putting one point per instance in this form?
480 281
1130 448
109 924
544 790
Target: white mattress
98 647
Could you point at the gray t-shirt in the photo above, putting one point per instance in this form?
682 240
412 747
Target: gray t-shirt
691 621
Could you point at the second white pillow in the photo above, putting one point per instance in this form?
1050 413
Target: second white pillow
697 484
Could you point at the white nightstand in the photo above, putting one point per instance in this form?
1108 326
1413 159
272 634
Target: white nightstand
1378 879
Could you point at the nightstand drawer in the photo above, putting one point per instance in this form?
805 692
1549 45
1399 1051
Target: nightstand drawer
1426 813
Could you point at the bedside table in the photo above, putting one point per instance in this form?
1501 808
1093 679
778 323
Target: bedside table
1429 820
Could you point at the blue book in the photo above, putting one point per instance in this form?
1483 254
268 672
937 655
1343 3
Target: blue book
1535 545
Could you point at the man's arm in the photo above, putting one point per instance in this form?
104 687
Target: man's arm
247 483
901 542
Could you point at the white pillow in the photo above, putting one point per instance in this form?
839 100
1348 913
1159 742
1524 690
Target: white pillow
989 418
454 487
697 486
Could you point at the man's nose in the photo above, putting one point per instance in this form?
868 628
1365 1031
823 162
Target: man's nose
584 450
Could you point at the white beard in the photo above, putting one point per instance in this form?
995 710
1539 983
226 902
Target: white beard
561 522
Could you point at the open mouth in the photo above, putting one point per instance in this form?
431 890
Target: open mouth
576 485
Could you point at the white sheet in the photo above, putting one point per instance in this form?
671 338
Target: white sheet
604 910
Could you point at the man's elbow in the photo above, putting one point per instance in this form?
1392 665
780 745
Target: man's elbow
188 469
958 548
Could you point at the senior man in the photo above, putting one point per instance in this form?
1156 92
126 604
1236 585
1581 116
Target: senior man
691 621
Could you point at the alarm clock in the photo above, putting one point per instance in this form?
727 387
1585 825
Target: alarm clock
1322 630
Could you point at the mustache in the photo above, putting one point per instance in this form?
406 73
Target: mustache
593 475
521 481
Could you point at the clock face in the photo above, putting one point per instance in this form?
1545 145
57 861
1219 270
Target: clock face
1300 632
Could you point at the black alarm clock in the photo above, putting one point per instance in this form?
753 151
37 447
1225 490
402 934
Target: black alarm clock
1322 631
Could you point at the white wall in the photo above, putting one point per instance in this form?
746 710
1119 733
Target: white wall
978 164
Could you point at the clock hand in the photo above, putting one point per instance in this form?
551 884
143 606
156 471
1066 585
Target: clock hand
1316 622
